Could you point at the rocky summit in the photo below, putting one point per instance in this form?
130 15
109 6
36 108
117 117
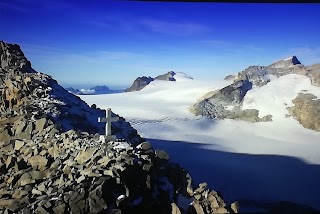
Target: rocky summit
53 161
142 82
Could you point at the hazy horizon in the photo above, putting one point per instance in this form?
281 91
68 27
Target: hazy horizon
112 43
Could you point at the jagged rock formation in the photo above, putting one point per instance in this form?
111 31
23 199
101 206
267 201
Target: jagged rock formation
285 63
142 82
167 77
258 75
306 110
226 104
52 161
139 83
313 72
13 57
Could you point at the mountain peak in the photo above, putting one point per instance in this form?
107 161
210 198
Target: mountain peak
285 63
11 56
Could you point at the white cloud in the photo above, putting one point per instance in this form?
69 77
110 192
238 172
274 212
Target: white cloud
231 45
59 55
142 24
174 28
87 91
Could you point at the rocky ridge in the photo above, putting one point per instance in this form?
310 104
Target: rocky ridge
142 82
227 102
52 160
258 75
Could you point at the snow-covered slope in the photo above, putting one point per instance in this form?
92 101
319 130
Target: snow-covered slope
276 160
278 94
180 77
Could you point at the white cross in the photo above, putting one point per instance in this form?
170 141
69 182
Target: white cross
108 120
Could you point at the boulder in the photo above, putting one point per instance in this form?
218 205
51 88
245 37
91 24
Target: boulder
161 154
85 155
175 209
38 162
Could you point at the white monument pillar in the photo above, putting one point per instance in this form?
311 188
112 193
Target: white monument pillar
108 120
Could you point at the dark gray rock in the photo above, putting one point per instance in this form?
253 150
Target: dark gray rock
166 77
231 95
258 75
139 83
285 63
142 82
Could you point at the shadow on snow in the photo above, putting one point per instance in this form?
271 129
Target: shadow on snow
266 178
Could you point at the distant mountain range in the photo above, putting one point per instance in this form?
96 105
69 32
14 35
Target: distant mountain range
95 90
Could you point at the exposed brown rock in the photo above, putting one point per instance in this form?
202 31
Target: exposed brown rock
306 110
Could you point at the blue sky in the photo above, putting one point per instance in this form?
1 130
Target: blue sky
113 42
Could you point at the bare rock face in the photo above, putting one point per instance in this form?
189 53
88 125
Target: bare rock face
52 161
258 75
226 104
313 72
13 57
285 63
167 77
139 83
142 82
306 110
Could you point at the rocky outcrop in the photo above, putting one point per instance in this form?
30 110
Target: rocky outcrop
229 77
142 82
259 75
167 77
13 57
306 110
313 72
53 161
227 102
286 63
139 83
